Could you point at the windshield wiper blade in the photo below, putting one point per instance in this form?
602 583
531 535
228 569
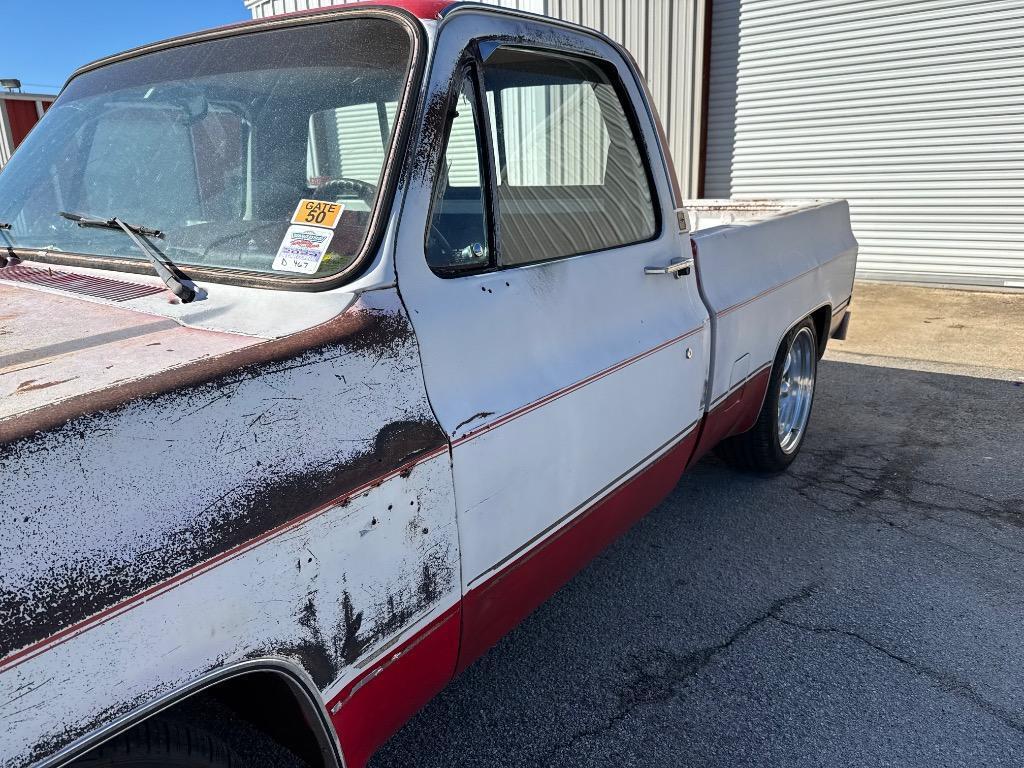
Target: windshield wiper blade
115 223
165 269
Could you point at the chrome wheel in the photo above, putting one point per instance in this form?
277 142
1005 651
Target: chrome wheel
796 390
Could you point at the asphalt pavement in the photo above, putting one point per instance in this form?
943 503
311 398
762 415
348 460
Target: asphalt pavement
866 608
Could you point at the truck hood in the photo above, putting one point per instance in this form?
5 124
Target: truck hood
55 348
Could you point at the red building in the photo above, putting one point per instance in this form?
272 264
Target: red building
18 113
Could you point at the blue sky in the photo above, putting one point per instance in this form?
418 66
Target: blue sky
44 41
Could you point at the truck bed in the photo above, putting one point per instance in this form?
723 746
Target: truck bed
761 264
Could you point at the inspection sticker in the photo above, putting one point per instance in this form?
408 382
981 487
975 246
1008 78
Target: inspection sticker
303 249
320 213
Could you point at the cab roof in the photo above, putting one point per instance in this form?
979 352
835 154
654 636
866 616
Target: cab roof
424 10
421 9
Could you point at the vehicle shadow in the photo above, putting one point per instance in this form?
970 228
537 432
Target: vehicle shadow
863 608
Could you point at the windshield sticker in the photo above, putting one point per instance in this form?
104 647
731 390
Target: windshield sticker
303 249
320 213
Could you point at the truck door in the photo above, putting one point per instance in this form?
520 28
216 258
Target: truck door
565 363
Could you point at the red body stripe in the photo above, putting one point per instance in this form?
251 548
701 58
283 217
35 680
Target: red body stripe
375 704
511 415
378 702
774 288
28 652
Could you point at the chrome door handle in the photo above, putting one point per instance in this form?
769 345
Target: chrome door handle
677 268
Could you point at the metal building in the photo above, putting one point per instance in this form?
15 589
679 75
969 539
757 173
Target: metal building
911 110
666 39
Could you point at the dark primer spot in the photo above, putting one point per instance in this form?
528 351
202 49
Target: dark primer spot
359 631
471 419
311 650
349 646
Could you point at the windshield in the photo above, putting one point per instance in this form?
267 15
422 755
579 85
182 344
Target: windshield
261 152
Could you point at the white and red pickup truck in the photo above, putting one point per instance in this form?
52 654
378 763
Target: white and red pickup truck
332 344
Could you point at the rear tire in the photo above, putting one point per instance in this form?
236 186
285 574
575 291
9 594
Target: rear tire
161 743
778 434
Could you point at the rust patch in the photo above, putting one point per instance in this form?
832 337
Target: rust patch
33 385
471 419
359 329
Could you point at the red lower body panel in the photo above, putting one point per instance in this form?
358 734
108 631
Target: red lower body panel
381 700
735 414
496 606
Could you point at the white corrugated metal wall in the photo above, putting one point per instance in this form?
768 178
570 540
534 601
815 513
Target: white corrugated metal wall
911 110
665 36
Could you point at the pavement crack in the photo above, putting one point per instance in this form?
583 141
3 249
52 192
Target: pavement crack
659 673
946 682
895 493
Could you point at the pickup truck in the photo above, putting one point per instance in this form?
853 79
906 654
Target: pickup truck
331 345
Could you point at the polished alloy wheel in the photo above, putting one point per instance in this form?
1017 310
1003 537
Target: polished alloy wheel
796 390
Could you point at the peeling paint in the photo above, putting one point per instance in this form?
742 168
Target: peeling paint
471 419
167 495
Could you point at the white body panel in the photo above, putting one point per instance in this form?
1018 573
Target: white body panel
763 266
172 535
551 379
281 598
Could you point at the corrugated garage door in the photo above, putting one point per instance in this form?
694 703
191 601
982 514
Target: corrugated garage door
912 110
664 36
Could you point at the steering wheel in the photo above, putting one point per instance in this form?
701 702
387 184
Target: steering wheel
345 187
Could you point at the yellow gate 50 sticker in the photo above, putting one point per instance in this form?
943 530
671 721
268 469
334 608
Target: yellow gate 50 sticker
303 249
318 213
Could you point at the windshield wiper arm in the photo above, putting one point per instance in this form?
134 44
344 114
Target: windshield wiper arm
165 269
4 225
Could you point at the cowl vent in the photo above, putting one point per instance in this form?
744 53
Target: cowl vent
86 285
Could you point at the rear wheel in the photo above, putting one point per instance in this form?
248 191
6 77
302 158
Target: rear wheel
776 438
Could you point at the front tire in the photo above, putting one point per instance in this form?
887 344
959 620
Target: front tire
778 434
161 743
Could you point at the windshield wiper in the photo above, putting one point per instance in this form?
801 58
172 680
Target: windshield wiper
7 243
165 269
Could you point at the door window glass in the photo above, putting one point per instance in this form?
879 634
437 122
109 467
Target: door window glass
458 236
571 177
